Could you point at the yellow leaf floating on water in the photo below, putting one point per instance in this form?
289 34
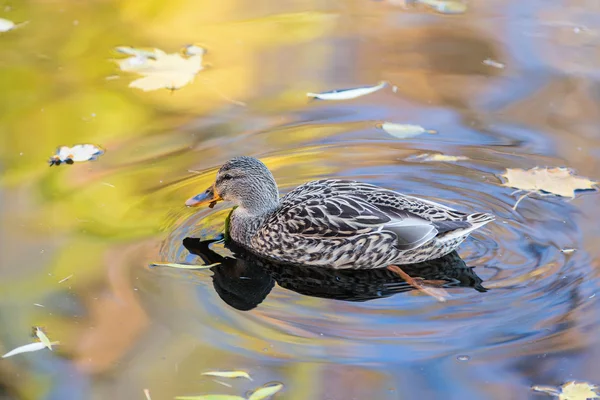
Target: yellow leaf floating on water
159 69
265 391
228 374
43 338
439 157
558 181
183 266
37 346
578 391
403 131
211 397
571 391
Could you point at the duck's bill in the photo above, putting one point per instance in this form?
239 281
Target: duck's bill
208 197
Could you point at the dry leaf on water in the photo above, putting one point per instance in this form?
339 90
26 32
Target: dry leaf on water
183 266
265 391
37 346
228 374
7 25
43 338
571 391
439 158
491 63
578 391
403 131
77 153
556 181
347 94
159 69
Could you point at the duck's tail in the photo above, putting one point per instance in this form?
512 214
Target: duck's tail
475 221
480 219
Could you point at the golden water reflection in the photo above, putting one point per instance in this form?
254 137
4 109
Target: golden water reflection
124 328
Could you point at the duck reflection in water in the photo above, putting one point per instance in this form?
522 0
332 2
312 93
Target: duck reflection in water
245 280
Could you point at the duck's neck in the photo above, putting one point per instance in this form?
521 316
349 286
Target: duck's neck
243 224
256 202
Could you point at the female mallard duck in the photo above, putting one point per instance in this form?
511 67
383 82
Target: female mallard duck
334 223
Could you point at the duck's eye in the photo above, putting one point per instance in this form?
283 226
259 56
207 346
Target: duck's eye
227 177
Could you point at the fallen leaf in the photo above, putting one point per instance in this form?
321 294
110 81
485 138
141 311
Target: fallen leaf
159 69
439 157
346 94
403 131
77 153
43 338
184 266
228 374
6 25
438 293
265 391
578 391
147 394
571 391
558 181
211 397
28 348
491 63
445 6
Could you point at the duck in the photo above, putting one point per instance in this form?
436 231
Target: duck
334 223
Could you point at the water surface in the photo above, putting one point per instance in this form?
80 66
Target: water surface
125 327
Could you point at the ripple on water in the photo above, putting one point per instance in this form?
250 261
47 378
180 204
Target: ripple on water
518 257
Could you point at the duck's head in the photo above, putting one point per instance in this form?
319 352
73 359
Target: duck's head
244 181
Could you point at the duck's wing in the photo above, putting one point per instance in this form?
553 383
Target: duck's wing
445 219
342 208
325 209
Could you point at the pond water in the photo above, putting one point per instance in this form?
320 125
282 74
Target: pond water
124 327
